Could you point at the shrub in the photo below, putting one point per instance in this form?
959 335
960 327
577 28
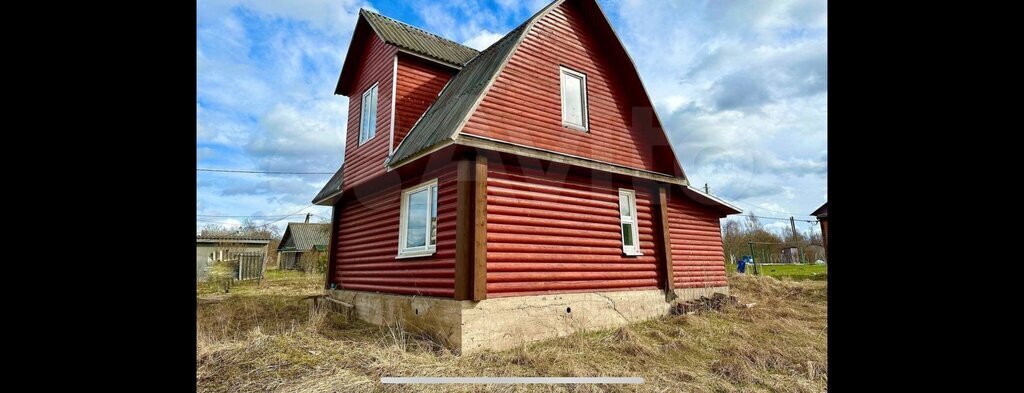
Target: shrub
222 274
321 262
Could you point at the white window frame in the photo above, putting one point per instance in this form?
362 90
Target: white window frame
372 90
427 249
563 72
633 250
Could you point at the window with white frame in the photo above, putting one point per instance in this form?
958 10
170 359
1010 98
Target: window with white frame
417 235
574 99
627 218
368 115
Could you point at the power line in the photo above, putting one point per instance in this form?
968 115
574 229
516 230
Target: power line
267 172
774 211
296 213
778 218
274 215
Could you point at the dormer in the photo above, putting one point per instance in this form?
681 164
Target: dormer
392 73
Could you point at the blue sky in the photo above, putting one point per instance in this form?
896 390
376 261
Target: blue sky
740 85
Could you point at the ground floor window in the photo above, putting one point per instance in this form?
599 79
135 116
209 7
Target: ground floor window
418 224
627 218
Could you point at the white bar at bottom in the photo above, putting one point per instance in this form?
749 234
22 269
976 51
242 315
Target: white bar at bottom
511 380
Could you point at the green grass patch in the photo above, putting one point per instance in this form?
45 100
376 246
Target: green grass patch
274 282
796 272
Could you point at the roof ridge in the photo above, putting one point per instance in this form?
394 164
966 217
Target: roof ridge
416 28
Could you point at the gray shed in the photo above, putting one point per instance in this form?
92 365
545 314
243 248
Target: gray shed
302 240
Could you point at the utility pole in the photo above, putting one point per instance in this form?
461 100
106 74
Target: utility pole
792 224
706 189
752 261
799 250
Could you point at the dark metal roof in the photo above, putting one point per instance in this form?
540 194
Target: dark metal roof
417 40
710 200
441 120
821 212
332 188
304 236
243 238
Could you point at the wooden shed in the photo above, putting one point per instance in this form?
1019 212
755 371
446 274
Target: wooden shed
822 214
518 193
302 244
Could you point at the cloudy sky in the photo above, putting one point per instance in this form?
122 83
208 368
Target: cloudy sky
740 85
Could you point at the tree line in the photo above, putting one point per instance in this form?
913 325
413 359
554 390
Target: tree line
737 236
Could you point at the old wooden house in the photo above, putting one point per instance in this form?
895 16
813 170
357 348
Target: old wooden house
822 214
302 244
518 193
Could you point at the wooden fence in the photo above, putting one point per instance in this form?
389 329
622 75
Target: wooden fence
250 266
202 266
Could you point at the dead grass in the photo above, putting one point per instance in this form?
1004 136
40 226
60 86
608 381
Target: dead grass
261 339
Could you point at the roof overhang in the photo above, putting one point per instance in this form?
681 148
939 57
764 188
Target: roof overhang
706 199
329 200
331 191
351 63
448 64
362 32
562 158
821 212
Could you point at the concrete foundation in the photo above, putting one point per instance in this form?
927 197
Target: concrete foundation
502 323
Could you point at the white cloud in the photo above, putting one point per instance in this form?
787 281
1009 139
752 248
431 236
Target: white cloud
774 207
306 139
266 73
483 40
337 16
741 89
509 4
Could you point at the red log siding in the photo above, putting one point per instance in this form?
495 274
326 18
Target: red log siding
698 259
560 233
419 83
524 104
376 66
367 241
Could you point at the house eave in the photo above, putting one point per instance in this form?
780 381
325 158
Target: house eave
707 199
329 200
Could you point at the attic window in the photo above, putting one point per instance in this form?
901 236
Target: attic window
574 99
368 115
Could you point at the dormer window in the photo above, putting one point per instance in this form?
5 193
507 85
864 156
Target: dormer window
574 99
368 115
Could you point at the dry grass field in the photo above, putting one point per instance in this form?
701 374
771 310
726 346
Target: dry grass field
265 338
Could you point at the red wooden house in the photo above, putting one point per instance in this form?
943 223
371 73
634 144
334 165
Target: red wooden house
521 192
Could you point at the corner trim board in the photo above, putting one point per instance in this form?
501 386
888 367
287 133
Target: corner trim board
480 228
394 90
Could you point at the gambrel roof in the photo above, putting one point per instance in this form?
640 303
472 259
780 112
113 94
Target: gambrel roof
443 121
441 124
